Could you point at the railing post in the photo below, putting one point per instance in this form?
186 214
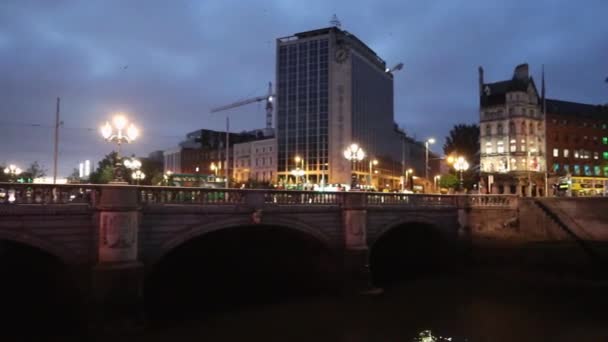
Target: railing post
118 275
356 252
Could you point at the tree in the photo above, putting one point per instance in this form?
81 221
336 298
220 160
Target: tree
35 170
74 177
105 170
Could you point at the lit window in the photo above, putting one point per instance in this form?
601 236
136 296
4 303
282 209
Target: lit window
523 148
576 154
513 148
605 171
605 140
597 170
566 168
555 152
596 155
587 169
577 170
605 155
555 167
566 153
500 148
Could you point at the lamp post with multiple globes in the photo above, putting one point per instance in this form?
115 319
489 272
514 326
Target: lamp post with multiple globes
119 132
354 153
12 171
461 165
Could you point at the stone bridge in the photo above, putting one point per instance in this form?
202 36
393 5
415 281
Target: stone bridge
117 234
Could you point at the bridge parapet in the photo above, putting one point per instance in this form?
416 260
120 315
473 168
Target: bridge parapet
44 194
15 193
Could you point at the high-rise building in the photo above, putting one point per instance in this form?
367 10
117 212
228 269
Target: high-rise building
512 135
332 91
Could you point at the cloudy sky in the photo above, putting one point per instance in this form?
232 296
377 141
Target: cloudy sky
165 63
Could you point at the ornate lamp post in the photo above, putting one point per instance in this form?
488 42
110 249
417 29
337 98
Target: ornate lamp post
119 132
461 165
354 153
12 171
138 176
299 160
297 173
426 159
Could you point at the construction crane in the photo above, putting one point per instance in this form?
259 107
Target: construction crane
269 107
395 68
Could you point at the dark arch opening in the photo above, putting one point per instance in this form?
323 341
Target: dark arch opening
409 251
233 267
38 294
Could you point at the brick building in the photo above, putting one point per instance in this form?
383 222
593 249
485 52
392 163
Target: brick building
577 142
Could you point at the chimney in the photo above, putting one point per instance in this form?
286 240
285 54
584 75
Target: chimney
480 69
521 72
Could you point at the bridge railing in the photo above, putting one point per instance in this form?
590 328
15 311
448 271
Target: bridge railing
183 195
489 201
18 193
428 200
302 197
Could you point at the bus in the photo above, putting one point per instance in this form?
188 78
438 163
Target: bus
582 186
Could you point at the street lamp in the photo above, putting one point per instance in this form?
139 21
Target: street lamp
437 179
132 164
214 168
426 160
408 173
372 163
138 176
12 171
461 165
299 160
354 153
116 133
167 176
297 173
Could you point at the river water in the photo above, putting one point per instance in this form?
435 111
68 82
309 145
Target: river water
480 305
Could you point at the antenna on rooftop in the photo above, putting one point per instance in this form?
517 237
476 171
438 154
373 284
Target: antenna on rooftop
335 21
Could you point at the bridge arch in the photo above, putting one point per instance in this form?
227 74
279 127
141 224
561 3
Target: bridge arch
410 247
199 230
62 254
233 262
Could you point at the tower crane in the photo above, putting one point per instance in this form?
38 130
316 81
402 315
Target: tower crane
269 107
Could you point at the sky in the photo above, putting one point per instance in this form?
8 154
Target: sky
166 63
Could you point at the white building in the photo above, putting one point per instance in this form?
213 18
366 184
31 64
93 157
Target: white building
255 161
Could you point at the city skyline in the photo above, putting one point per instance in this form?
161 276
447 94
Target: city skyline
146 62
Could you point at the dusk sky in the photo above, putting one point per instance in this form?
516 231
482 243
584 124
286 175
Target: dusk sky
166 63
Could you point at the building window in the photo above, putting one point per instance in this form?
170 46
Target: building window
596 155
555 167
605 171
555 152
566 168
587 169
605 140
488 129
605 155
566 153
577 170
523 128
576 154
499 147
499 129
531 130
597 170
